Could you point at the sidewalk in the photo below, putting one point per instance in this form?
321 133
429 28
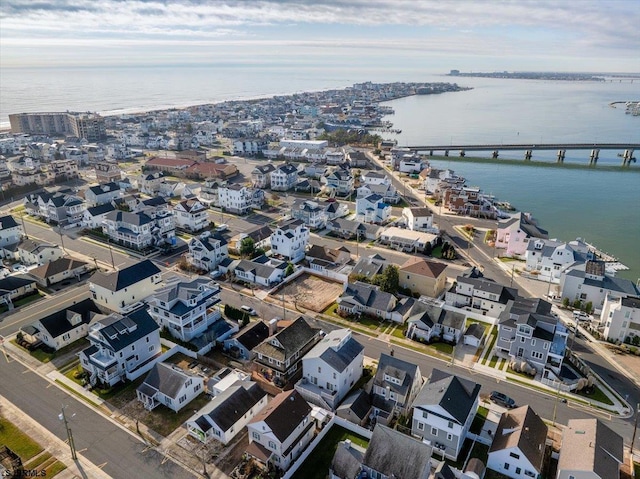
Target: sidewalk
81 468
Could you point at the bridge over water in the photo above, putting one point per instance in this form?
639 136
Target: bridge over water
627 149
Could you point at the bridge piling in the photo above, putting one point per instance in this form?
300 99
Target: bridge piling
446 152
494 155
593 158
627 157
527 155
462 153
561 154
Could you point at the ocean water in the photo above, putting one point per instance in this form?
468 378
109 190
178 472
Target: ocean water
601 206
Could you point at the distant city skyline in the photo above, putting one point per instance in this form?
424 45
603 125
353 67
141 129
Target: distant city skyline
586 36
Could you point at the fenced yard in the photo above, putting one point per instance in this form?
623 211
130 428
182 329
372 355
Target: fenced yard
310 292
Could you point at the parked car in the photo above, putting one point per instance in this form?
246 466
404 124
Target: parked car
216 273
582 316
250 311
222 227
20 268
502 399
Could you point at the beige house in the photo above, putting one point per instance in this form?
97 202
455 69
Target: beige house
425 277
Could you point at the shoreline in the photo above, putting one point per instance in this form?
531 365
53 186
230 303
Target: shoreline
537 163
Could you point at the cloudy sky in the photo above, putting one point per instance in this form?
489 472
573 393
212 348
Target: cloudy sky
480 35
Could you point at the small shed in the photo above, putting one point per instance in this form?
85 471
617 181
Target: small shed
474 333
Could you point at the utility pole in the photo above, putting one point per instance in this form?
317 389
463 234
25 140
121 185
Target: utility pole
284 309
513 267
635 429
72 446
113 263
555 404
61 240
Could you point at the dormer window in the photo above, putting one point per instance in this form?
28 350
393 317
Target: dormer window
525 330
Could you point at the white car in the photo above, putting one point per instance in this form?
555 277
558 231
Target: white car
19 268
250 311
216 273
582 316
221 228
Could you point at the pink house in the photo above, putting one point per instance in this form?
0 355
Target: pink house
514 234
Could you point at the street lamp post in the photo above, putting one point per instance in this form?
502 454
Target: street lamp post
635 429
72 445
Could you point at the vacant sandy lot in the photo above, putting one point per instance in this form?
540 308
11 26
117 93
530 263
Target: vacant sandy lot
309 292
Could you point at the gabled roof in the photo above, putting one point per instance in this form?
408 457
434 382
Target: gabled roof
104 188
167 379
284 414
368 296
391 366
252 335
233 403
122 331
137 219
7 222
371 265
55 267
337 349
33 246
101 209
454 394
589 445
423 267
123 278
524 429
11 283
263 169
286 168
347 461
382 454
287 342
358 402
57 324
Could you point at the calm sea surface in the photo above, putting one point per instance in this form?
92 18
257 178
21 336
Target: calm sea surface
601 206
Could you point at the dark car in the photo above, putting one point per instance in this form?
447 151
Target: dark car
502 399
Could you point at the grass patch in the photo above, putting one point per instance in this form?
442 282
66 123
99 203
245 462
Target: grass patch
121 393
494 336
429 349
443 348
40 459
494 360
164 420
437 252
27 299
332 310
506 259
371 323
54 469
317 464
479 420
45 357
636 469
76 393
398 332
478 450
17 441
598 395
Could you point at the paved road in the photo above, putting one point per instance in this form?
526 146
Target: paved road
121 455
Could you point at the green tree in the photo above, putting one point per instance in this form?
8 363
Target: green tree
565 302
289 270
389 279
588 307
577 304
247 247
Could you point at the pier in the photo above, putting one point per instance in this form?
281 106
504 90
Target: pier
626 149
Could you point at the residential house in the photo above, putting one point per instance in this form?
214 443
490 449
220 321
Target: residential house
513 234
469 201
528 331
149 183
262 270
369 266
620 318
349 229
249 147
407 240
261 175
290 239
107 172
15 287
358 159
241 344
281 431
518 447
310 213
443 412
207 251
94 217
590 283
356 408
395 387
171 166
372 209
590 450
280 356
411 164
191 215
221 170
331 369
228 413
548 259
239 199
375 178
364 298
119 289
62 327
472 291
59 270
419 219
284 177
133 230
431 320
209 192
386 191
58 208
10 231
339 182
30 251
424 277
186 309
101 194
334 209
119 346
169 385
260 234
323 258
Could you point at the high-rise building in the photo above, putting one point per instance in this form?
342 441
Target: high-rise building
90 126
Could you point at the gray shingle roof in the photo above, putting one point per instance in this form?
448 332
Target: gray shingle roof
167 379
454 394
347 461
369 296
284 414
287 342
137 219
338 349
57 324
119 333
123 278
391 366
234 402
7 222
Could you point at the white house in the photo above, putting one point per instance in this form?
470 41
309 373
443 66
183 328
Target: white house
239 199
620 318
513 234
290 240
395 386
241 344
124 287
590 450
30 251
169 385
284 177
443 411
372 209
364 298
119 345
331 368
94 217
10 231
281 431
407 240
429 320
339 182
375 178
387 192
411 164
59 270
191 215
310 213
548 259
419 219
65 326
262 270
207 251
134 230
590 283
518 447
186 309
261 175
228 413
101 194
474 292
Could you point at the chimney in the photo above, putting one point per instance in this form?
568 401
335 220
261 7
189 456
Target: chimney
347 443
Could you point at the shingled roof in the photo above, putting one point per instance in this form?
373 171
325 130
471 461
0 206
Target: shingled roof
455 395
284 414
123 278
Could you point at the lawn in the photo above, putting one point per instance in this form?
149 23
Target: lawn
494 360
371 323
398 332
494 337
598 395
164 420
478 421
332 310
479 451
317 464
443 348
44 357
17 441
27 299
121 393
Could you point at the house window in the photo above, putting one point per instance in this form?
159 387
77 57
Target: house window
514 455
420 426
533 342
319 369
506 466
272 445
425 414
434 431
151 348
255 436
522 339
450 425
536 355
518 471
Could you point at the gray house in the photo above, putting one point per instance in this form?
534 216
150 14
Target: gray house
443 412
395 386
